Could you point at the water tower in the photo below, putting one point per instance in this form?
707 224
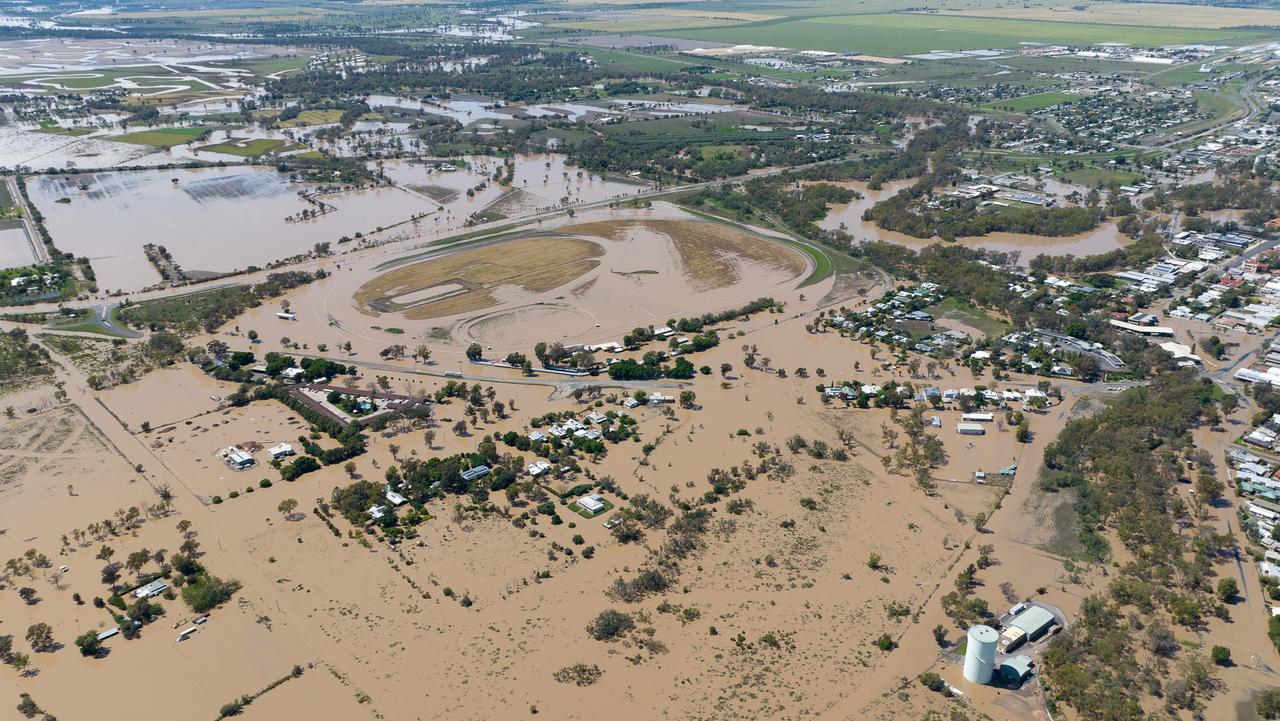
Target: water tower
980 656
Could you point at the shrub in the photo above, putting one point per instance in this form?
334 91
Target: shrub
609 625
885 642
932 681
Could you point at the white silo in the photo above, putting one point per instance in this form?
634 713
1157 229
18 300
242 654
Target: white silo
980 656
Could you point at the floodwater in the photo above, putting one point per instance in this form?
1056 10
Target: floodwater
225 219
15 249
848 217
470 110
212 219
541 182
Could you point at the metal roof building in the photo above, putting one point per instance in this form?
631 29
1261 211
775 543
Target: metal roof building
1035 621
1015 670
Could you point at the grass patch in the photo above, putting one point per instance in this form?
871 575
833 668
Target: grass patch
277 65
249 148
312 117
822 265
163 137
972 316
1027 103
575 508
537 264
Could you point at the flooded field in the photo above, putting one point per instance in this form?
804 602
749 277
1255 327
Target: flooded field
21 57
218 220
848 217
214 219
540 181
583 281
15 248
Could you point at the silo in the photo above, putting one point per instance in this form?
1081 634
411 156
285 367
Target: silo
980 656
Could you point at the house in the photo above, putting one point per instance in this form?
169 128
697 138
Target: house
538 468
377 512
292 374
970 429
630 403
659 398
155 588
537 436
592 503
240 460
472 474
395 498
596 417
978 417
280 451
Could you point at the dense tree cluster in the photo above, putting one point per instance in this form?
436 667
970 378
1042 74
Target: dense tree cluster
1124 463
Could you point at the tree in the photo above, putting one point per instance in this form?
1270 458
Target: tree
725 368
1269 704
422 353
430 438
688 399
1221 655
287 507
28 594
1208 486
979 522
208 592
40 636
460 428
1227 589
253 336
475 352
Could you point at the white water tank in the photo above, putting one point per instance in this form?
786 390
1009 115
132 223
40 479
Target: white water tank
980 655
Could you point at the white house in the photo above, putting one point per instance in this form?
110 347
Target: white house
592 503
155 588
280 451
538 468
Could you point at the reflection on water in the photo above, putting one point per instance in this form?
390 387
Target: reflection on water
246 186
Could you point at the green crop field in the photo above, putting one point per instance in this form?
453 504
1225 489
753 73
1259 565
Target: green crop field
277 65
1027 103
248 148
162 137
910 33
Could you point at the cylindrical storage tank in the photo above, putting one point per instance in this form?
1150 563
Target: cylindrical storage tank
980 656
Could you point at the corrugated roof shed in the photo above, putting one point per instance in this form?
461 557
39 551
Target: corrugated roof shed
1035 621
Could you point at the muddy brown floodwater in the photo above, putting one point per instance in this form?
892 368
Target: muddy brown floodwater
225 219
1102 239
